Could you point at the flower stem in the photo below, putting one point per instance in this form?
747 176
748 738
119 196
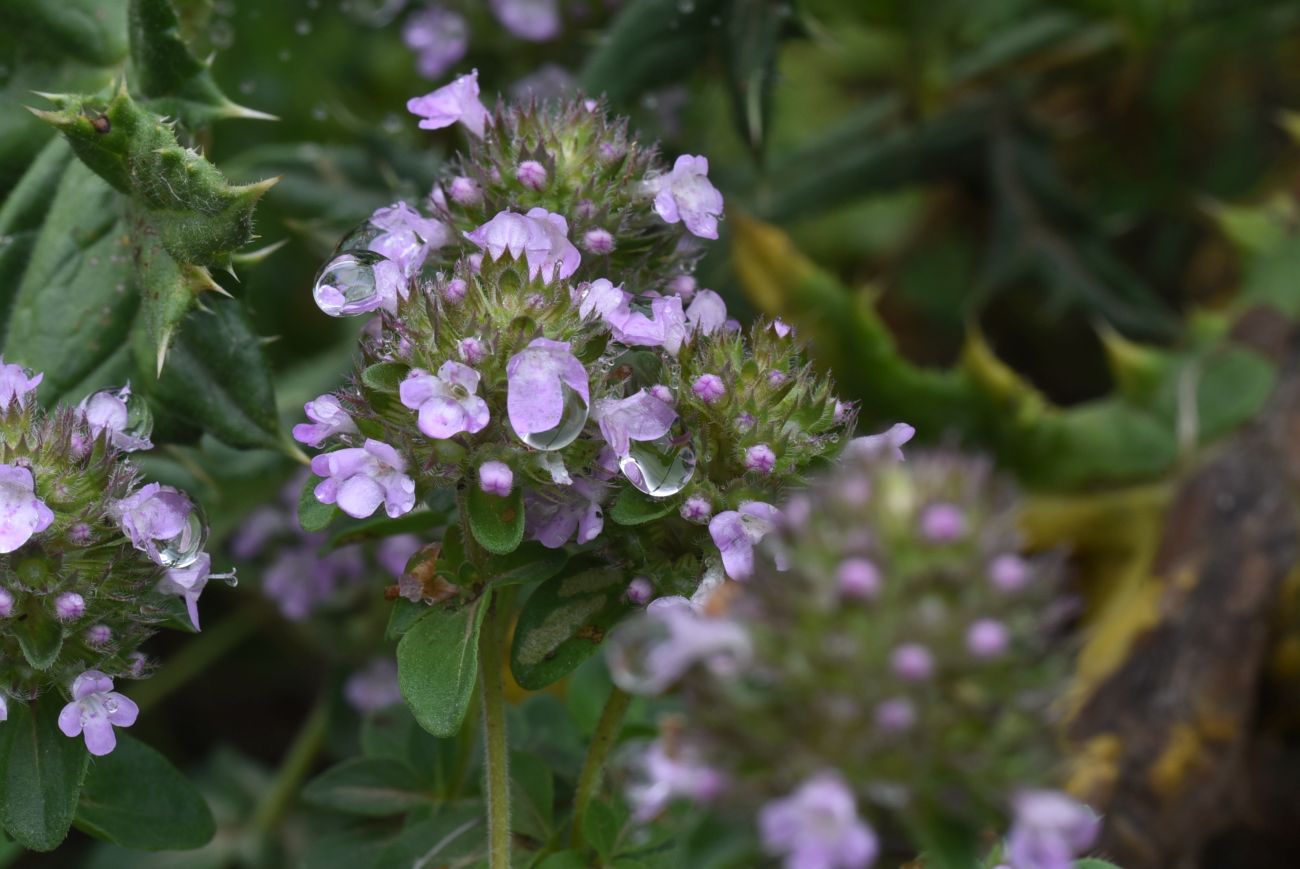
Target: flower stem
593 768
497 764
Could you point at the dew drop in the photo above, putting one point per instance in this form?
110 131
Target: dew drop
353 283
633 652
572 419
319 112
662 467
247 86
221 34
303 27
184 549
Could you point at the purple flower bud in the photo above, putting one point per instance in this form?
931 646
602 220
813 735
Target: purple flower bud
942 523
1050 830
531 174
782 328
686 195
731 325
328 418
895 715
987 639
841 410
359 480
707 312
456 102
538 236
466 191
585 209
6 603
471 350
139 664
697 509
760 458
455 291
98 635
496 478
708 388
735 532
533 20
69 606
639 591
683 285
818 826
598 241
1009 573
536 378
745 422
447 402
373 688
912 662
859 578
439 38
776 378
22 514
95 710
663 393
608 152
16 384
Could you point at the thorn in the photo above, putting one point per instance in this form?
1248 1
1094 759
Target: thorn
256 256
260 187
236 111
201 280
162 352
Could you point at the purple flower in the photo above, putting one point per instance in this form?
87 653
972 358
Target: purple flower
359 480
663 393
942 523
639 591
552 517
1049 831
777 378
69 606
707 313
673 635
299 580
697 509
663 775
987 639
708 388
156 513
782 328
95 710
536 378
683 285
859 578
895 715
328 418
533 20
446 402
539 236
496 478
735 532
452 103
760 458
471 350
912 662
394 552
374 687
886 444
599 296
598 241
16 384
22 514
686 195
6 603
665 327
407 236
439 37
465 190
188 583
640 417
107 411
531 174
1008 572
817 827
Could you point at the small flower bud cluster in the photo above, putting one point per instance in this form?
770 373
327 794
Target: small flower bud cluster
890 657
520 355
92 560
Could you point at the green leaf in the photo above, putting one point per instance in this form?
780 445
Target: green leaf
437 666
601 826
532 800
41 772
392 733
452 836
135 798
404 614
497 523
565 860
946 844
651 43
632 507
564 622
750 44
89 30
312 514
385 376
40 636
531 562
381 526
24 211
368 786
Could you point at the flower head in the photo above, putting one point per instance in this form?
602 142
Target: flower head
328 418
457 102
686 195
69 606
817 827
95 710
760 458
531 174
22 514
359 480
447 402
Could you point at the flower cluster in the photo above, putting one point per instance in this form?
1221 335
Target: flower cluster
546 341
92 560
891 623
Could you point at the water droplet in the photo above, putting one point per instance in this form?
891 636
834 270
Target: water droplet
686 7
349 284
359 238
661 467
221 33
303 27
247 86
631 653
110 705
572 419
319 112
184 549
284 55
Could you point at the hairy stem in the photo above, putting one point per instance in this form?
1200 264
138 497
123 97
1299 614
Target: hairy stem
593 768
497 764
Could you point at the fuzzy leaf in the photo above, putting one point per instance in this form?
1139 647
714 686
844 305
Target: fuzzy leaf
563 623
367 786
41 772
312 514
40 636
437 666
90 30
496 522
531 562
634 508
385 376
135 798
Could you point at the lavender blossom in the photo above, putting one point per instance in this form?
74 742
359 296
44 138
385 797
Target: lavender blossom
328 418
374 687
457 102
109 411
22 514
817 827
665 774
735 532
540 237
16 384
686 195
1050 830
640 417
447 402
496 478
533 20
439 37
407 236
537 377
359 480
553 519
95 710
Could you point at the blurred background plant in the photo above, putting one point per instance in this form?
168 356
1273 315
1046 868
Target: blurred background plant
1059 231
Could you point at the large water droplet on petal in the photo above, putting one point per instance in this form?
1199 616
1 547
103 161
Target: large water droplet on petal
360 237
572 419
661 467
184 549
350 284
